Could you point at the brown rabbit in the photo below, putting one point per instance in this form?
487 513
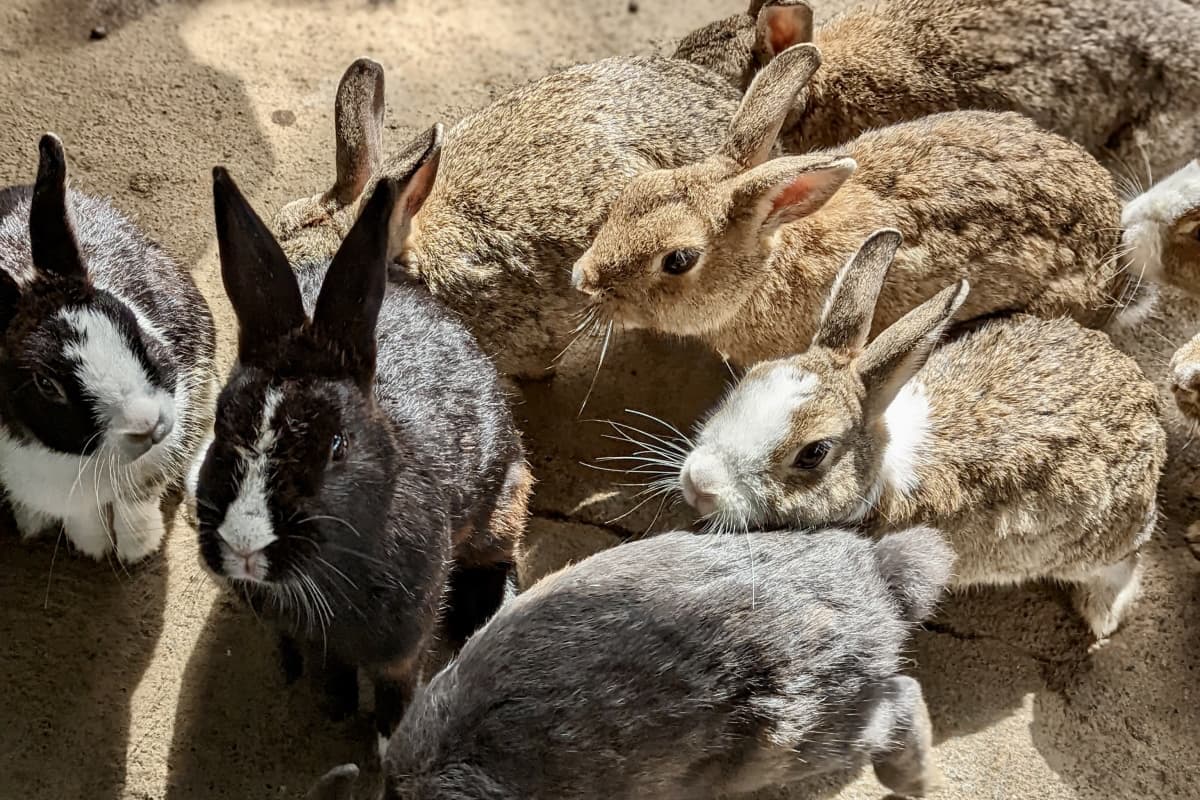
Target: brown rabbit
742 251
522 187
1116 77
1034 444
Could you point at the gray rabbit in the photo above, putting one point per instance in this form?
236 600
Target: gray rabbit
684 666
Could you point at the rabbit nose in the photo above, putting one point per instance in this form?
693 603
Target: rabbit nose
700 480
146 430
580 280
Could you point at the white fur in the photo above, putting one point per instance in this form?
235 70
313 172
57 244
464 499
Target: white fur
1150 216
908 425
247 529
741 436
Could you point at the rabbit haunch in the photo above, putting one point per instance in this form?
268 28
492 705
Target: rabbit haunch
365 469
741 250
107 368
1116 77
1035 444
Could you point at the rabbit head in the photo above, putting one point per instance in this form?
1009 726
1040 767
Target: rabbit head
1162 230
737 47
1185 378
682 250
801 440
311 229
81 373
299 440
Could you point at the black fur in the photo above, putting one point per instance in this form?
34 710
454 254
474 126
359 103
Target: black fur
391 434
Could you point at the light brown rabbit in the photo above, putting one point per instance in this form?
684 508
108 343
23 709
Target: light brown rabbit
741 251
1035 444
519 190
1115 76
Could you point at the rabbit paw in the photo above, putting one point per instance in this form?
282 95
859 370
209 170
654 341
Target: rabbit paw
1107 596
31 523
90 533
139 530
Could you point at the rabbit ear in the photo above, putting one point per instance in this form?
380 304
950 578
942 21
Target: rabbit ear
337 784
782 24
901 350
850 309
358 118
10 298
348 306
766 105
258 278
426 152
785 189
51 232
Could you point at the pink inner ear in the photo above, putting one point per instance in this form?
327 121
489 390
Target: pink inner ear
793 194
783 29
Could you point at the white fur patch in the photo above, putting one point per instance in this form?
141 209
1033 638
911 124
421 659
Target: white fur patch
1151 216
247 527
736 443
907 421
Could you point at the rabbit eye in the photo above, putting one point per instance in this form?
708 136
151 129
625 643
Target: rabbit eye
678 262
50 389
337 448
811 456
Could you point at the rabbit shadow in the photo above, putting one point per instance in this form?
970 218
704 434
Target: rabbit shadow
79 637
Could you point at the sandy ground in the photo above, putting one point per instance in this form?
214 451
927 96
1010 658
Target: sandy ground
148 683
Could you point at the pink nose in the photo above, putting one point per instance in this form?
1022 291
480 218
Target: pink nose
700 499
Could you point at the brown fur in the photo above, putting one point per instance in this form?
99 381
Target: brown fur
522 187
1034 444
1115 76
1028 216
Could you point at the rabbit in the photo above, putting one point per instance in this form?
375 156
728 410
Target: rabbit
106 371
686 666
1108 74
1035 444
522 187
365 467
741 250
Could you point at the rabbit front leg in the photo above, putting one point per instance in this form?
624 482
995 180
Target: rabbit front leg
394 687
903 740
138 528
90 530
30 521
1106 596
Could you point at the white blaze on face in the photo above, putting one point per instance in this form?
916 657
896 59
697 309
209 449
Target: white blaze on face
1150 216
735 446
127 402
247 529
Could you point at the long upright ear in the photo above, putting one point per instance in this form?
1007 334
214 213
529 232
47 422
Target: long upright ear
337 784
51 231
764 108
781 24
419 166
901 350
785 189
348 305
258 278
358 117
850 309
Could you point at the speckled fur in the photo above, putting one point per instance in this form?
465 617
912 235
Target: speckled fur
522 186
715 665
1117 77
1039 452
1029 217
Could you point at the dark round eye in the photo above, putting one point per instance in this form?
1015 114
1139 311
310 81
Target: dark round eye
811 455
678 262
337 448
50 389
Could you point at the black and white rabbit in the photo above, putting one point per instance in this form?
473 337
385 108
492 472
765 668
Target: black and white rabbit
106 367
365 465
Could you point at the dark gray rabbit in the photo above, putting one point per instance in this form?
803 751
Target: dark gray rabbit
686 666
364 459
106 367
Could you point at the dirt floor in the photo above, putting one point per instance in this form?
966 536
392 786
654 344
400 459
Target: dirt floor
149 683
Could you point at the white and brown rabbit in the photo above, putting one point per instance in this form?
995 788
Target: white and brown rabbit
365 467
685 667
1034 444
522 187
106 367
741 250
1114 76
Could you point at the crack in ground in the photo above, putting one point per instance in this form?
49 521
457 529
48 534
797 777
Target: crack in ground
945 629
622 533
